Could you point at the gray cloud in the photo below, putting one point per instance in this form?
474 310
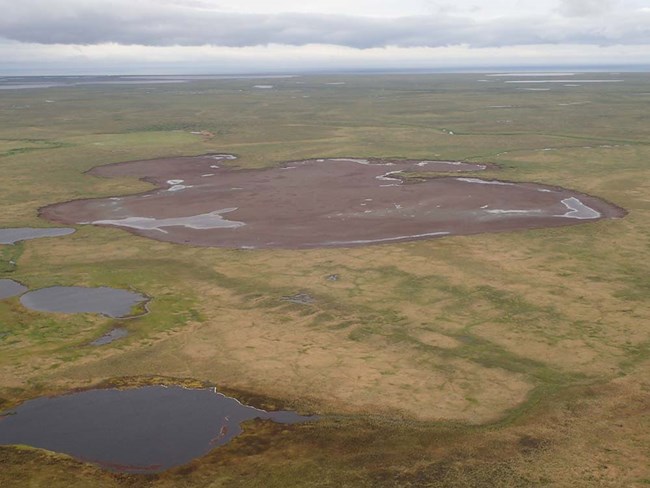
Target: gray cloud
194 23
586 8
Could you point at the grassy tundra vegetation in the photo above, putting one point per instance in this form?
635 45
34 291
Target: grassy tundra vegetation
510 359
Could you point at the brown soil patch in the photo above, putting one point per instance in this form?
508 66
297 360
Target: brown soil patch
322 203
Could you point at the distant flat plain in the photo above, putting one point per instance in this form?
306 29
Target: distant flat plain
512 359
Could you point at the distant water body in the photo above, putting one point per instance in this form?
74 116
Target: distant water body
35 82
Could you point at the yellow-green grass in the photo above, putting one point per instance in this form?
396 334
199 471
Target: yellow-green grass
431 360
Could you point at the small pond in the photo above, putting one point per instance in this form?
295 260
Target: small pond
110 336
76 299
139 430
11 288
11 236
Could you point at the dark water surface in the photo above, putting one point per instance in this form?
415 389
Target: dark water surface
139 430
111 336
76 299
11 236
11 288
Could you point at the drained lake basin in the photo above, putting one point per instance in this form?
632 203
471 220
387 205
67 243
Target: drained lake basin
76 299
334 202
140 430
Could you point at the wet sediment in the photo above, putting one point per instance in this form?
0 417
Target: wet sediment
334 202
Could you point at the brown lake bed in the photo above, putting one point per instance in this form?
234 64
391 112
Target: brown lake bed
333 202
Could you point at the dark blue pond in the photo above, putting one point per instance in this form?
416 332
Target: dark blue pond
11 288
140 430
111 336
11 236
76 299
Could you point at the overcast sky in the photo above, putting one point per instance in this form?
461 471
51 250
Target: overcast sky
231 36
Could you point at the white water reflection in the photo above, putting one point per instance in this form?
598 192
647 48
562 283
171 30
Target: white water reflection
212 220
578 210
514 211
484 182
386 239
